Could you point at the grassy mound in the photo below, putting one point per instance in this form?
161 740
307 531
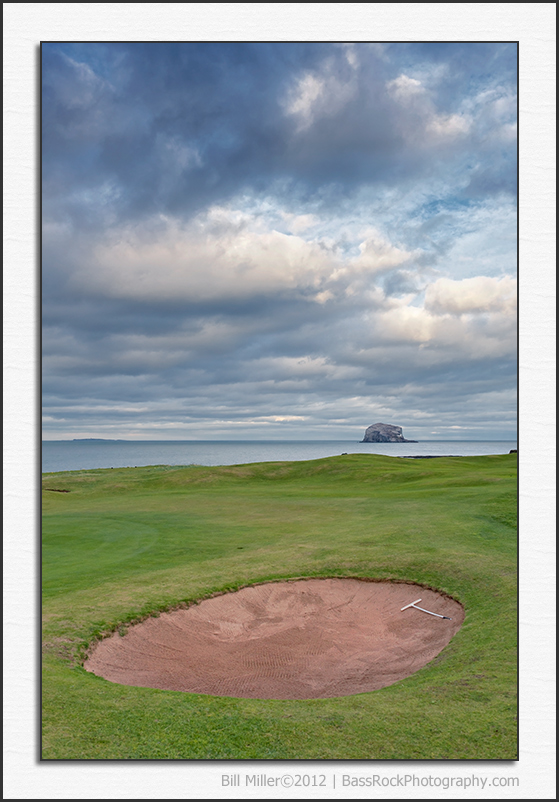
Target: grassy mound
122 544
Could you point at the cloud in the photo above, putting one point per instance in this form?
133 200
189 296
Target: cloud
428 126
404 88
448 126
472 295
226 254
378 255
299 223
321 94
212 257
174 129
293 235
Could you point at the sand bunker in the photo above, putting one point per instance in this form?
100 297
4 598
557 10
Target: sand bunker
302 639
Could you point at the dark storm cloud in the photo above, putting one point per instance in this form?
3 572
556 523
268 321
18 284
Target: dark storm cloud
219 103
173 127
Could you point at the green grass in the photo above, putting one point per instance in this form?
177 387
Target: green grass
126 543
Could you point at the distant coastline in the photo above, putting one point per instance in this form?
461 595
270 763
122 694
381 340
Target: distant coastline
97 440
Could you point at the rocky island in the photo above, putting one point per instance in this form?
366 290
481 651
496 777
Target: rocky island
385 433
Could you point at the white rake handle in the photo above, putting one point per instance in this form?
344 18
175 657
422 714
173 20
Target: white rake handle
413 604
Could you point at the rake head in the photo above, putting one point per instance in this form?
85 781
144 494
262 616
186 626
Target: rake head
411 604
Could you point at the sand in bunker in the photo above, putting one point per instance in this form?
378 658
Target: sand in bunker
303 639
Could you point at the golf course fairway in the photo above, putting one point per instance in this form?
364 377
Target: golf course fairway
120 545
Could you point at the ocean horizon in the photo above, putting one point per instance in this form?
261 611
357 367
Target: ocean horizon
93 453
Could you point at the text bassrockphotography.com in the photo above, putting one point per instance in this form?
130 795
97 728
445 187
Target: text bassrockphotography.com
370 781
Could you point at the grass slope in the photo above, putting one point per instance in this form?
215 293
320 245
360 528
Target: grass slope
126 543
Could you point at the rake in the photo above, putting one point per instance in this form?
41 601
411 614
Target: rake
413 604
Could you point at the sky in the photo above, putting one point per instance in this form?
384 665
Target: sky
279 241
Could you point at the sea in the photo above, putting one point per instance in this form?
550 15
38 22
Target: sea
79 455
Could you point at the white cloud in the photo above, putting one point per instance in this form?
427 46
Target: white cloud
320 94
403 88
303 98
427 124
302 369
324 296
351 55
280 418
232 254
472 295
406 324
450 326
215 256
378 254
448 126
297 223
